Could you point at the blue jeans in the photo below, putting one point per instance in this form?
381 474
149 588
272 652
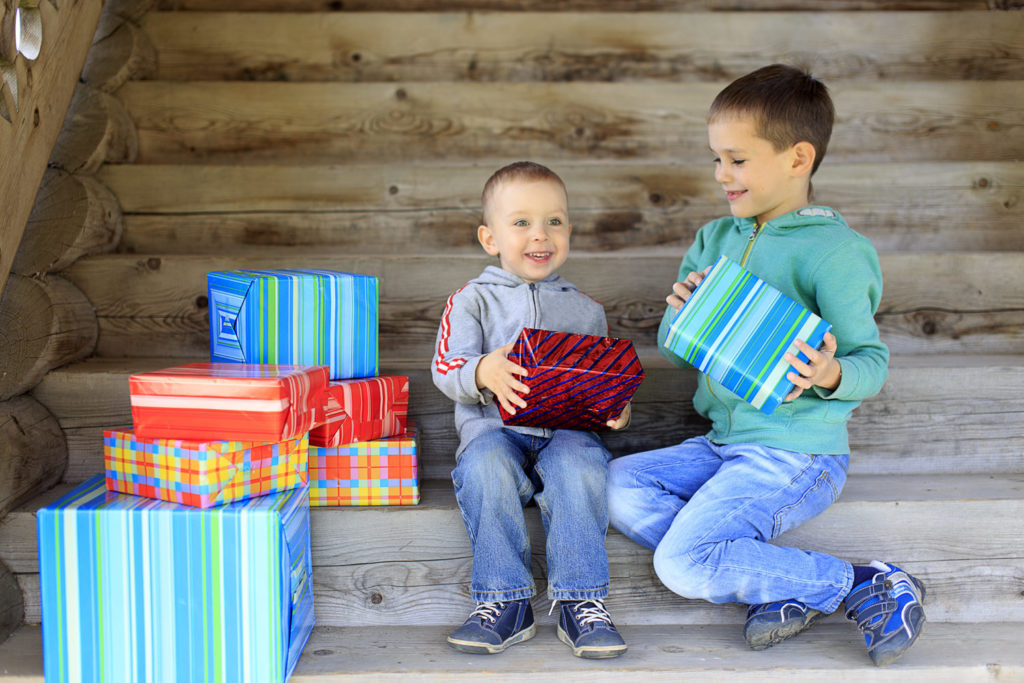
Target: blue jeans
567 474
708 510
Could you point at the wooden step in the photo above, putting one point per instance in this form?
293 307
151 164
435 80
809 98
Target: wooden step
574 46
920 423
157 305
236 122
960 534
945 653
399 208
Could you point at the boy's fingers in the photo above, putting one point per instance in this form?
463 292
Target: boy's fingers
516 369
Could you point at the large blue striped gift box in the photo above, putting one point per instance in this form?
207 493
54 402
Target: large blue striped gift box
136 589
736 328
295 316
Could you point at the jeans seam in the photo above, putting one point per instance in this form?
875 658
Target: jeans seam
821 479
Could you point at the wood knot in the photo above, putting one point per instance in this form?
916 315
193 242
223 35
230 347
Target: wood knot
153 263
355 56
993 125
928 327
376 598
400 94
655 198
202 302
393 189
982 182
35 118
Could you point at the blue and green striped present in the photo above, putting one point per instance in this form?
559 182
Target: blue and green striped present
736 328
295 317
136 589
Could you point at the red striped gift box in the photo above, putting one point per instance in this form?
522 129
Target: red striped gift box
577 381
363 410
228 401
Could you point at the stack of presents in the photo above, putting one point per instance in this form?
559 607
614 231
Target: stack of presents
190 559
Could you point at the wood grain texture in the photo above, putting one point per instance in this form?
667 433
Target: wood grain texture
398 208
34 452
585 5
156 305
121 51
218 122
97 130
12 604
574 46
74 215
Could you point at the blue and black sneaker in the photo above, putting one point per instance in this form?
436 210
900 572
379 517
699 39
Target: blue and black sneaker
493 626
773 622
888 612
587 628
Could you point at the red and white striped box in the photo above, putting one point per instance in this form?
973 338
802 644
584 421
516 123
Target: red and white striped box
228 401
363 410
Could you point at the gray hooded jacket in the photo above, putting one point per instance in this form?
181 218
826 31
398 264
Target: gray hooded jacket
489 312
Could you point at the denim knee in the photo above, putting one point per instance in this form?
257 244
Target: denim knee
488 469
683 572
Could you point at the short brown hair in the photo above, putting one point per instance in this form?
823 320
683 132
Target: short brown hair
516 172
788 106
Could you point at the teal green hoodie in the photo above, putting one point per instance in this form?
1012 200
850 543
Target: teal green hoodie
814 257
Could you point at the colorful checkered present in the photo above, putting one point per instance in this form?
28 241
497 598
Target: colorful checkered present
135 589
363 410
202 474
303 317
228 401
380 472
736 327
576 381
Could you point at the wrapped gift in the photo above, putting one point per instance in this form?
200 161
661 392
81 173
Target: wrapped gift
576 381
135 589
228 401
202 473
303 317
380 472
736 328
363 410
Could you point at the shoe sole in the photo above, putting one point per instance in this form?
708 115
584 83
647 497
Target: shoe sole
591 651
475 648
773 636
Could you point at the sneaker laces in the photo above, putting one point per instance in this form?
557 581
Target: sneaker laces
595 613
488 610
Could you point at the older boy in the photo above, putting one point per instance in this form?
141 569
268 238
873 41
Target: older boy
709 506
499 469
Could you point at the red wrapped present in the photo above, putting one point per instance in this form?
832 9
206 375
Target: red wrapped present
228 401
577 381
363 410
202 474
378 472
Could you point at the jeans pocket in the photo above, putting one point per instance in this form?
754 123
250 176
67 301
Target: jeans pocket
815 499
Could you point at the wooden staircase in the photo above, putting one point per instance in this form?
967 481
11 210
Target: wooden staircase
360 141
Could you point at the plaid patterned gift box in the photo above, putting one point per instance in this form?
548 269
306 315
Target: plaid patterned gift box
228 401
576 381
363 410
304 317
380 472
202 474
735 327
135 589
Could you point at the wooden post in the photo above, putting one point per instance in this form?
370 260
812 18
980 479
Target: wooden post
121 51
44 323
74 215
36 453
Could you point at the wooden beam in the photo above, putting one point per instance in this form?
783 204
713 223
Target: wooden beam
12 603
583 46
585 5
121 52
397 208
97 130
44 92
35 452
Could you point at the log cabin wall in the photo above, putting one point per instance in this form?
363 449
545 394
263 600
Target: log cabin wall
324 134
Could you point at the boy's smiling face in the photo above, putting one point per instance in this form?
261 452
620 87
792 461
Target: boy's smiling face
759 181
527 227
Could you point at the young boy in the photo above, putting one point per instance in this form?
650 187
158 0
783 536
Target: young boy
499 469
709 506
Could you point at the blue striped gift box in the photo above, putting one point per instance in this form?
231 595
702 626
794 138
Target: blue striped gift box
135 589
736 328
297 317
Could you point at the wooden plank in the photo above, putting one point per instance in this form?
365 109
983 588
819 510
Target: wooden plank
156 306
926 207
582 5
574 46
34 452
217 122
35 107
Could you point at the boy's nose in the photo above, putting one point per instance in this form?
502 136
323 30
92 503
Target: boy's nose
721 173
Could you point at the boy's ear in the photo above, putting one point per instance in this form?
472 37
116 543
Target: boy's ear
486 237
803 158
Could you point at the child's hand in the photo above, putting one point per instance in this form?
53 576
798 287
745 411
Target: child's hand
822 369
622 420
497 373
681 291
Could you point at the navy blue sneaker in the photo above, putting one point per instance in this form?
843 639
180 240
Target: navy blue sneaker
494 626
888 612
773 622
587 628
